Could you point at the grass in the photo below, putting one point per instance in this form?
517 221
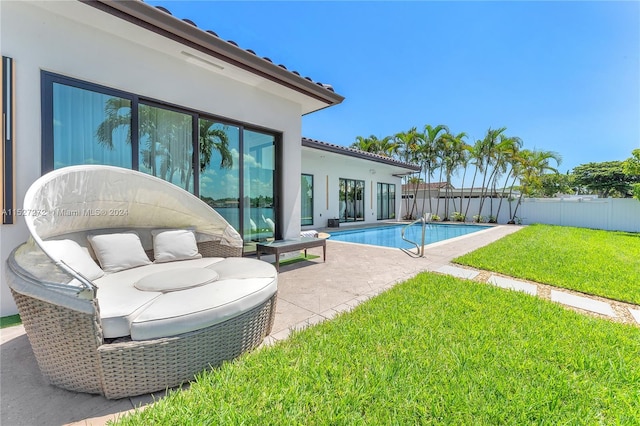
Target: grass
601 263
9 321
297 259
434 349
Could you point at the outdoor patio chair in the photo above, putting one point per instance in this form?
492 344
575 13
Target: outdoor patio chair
129 284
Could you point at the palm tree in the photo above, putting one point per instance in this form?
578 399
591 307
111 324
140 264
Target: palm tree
428 156
489 152
452 148
465 159
406 146
165 152
118 114
372 144
533 164
210 139
509 150
476 157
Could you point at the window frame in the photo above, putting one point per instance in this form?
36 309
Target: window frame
391 201
345 218
311 200
48 79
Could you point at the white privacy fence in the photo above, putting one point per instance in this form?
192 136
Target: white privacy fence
617 214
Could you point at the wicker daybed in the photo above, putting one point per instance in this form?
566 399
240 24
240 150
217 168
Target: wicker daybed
126 325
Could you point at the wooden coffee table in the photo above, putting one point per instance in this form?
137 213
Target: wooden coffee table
295 244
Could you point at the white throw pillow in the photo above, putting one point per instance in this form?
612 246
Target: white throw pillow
75 256
117 252
174 244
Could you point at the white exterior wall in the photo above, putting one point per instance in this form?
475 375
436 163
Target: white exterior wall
99 48
327 168
614 214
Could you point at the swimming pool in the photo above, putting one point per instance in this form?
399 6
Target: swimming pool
390 235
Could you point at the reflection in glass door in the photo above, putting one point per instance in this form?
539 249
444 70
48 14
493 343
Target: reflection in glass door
219 145
259 159
166 145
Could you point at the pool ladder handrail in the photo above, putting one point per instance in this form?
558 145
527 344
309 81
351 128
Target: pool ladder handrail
424 219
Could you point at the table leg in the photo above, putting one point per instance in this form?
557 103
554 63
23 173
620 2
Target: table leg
324 252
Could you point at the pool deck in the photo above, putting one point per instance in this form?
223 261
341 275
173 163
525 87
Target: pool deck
309 292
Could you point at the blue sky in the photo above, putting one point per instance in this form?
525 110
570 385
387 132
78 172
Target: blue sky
562 76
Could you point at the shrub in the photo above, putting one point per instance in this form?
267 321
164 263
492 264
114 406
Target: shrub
458 217
479 218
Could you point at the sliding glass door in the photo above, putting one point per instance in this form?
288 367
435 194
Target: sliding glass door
259 156
220 168
306 198
229 165
386 201
351 200
166 145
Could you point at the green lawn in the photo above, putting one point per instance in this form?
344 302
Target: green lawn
10 321
602 263
434 349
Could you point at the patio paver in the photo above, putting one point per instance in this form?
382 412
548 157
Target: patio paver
635 313
455 271
582 303
511 284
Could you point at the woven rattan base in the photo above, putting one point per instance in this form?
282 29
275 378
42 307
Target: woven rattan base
70 355
140 367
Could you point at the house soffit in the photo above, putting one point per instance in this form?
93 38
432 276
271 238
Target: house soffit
206 49
317 148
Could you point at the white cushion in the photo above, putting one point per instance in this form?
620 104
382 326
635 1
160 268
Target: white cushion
75 256
120 301
174 244
241 267
117 252
200 307
176 280
243 284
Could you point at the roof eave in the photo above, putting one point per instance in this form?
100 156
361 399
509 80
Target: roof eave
309 143
167 25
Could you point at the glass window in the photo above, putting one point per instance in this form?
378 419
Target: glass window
259 159
219 146
90 128
166 145
386 201
306 197
231 168
351 200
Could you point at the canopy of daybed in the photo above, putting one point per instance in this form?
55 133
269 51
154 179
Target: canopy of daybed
82 198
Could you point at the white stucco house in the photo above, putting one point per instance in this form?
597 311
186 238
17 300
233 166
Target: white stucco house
127 84
349 187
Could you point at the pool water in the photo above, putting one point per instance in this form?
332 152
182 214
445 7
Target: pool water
390 235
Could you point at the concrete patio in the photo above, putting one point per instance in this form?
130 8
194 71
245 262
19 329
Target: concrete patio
309 292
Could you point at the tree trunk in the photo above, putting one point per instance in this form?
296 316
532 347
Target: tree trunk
473 182
504 188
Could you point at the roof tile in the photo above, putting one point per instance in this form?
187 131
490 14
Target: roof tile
313 143
327 87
